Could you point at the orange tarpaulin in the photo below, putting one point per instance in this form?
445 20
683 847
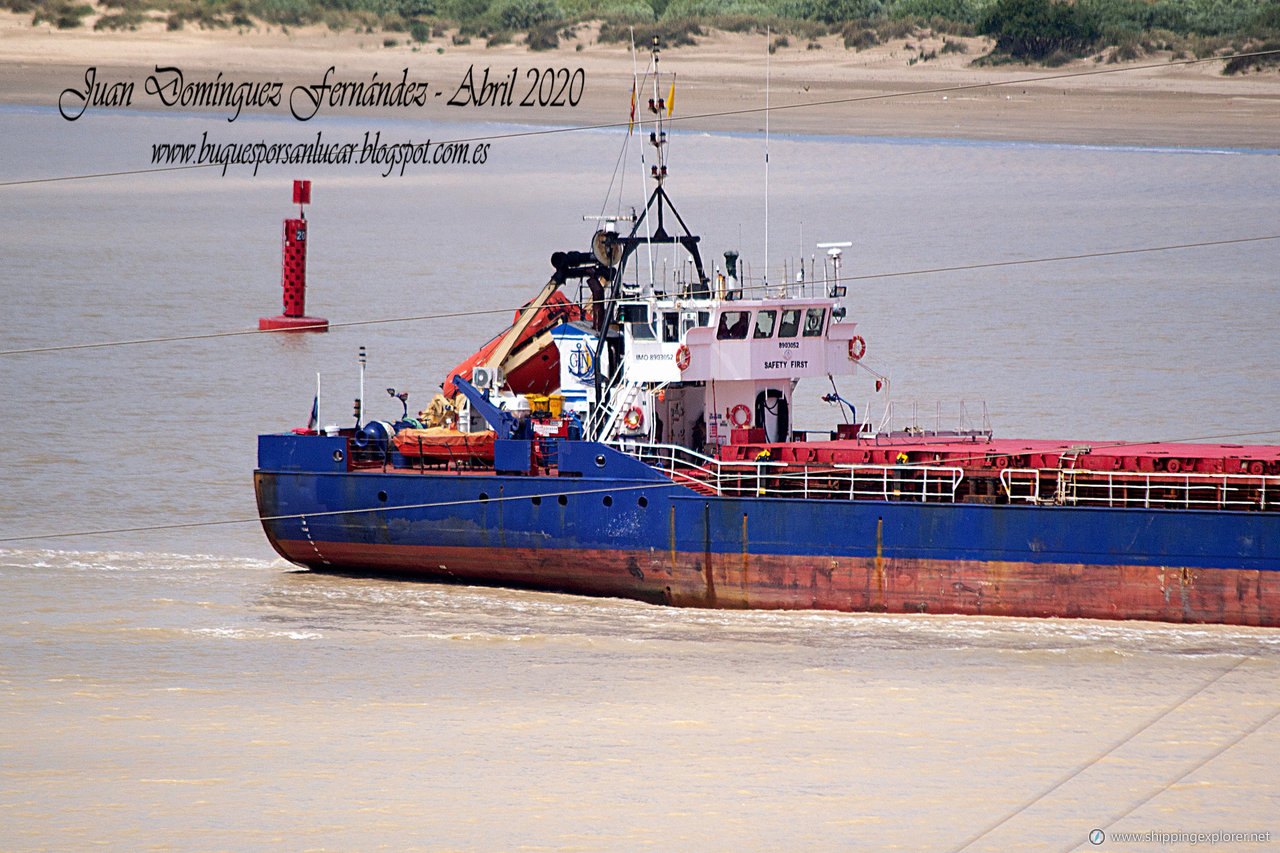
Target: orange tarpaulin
440 443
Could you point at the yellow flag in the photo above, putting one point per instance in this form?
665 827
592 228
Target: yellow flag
671 99
631 126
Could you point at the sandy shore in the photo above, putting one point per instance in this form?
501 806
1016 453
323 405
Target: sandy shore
878 92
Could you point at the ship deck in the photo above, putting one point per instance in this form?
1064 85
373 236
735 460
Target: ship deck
973 452
943 469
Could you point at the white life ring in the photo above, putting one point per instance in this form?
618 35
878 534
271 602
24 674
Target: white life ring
634 419
744 412
857 348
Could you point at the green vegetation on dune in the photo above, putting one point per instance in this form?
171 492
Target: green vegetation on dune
1054 31
1046 31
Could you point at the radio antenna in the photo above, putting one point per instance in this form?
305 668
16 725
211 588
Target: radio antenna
767 41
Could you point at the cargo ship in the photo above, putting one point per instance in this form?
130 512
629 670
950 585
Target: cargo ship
638 441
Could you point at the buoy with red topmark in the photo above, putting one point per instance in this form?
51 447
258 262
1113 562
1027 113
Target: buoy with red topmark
293 274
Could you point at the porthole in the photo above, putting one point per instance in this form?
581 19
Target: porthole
337 456
608 500
643 501
563 500
484 497
537 501
600 461
382 496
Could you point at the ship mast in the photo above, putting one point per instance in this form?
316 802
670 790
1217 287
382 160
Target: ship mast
658 204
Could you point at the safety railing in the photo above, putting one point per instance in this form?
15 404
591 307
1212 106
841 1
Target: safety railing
780 479
959 418
618 393
1136 489
1022 485
904 482
681 464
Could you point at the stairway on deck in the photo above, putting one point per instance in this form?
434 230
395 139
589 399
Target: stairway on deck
702 487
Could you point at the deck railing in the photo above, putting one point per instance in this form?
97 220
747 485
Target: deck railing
780 479
938 418
939 483
1138 489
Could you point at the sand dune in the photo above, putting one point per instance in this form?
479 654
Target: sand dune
818 87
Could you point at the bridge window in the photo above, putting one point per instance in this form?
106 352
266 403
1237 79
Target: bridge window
637 316
765 321
670 326
703 319
790 324
814 320
633 313
733 325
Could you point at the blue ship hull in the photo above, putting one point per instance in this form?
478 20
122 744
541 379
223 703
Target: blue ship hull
607 524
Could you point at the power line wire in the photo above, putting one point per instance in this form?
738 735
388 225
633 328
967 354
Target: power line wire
1114 445
156 170
1079 257
616 125
248 332
853 99
482 312
1192 769
439 504
990 84
186 525
1196 691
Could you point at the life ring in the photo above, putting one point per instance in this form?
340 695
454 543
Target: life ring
634 419
1173 466
744 412
857 348
683 357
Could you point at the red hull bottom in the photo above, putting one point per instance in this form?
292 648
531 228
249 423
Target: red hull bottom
1217 596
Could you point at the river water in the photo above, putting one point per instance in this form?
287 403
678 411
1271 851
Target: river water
179 687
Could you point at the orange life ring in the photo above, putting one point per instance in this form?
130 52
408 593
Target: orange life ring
683 357
740 410
857 348
633 419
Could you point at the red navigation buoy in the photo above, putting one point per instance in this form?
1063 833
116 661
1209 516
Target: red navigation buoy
293 273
